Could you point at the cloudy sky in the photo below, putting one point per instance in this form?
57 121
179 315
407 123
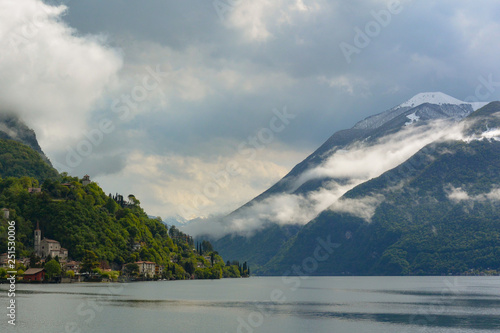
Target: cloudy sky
197 106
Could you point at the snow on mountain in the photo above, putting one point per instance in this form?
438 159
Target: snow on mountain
435 98
413 118
177 221
438 98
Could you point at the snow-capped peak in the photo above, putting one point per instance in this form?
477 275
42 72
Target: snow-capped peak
437 98
450 106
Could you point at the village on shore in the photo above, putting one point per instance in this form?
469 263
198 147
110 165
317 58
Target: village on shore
51 263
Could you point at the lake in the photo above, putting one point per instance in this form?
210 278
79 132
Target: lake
262 304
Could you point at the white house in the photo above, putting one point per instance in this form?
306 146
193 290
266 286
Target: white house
147 268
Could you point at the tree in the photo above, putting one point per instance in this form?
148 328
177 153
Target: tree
111 205
173 232
3 273
132 269
133 200
207 246
89 262
53 268
189 267
34 260
212 257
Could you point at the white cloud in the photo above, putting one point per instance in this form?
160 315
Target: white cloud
364 207
355 164
50 75
282 209
259 18
459 195
362 161
196 186
491 134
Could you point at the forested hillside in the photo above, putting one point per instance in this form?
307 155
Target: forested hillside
19 160
114 230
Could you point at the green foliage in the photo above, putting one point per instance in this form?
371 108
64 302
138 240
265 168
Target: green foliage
90 262
18 160
94 227
131 269
208 273
53 268
232 271
84 219
419 229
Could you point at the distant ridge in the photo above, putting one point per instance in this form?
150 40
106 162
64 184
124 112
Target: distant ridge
424 112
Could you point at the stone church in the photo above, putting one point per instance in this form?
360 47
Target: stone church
45 247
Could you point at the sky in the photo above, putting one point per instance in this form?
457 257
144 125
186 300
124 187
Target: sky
196 107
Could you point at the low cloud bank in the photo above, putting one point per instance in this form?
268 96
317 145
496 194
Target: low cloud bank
353 165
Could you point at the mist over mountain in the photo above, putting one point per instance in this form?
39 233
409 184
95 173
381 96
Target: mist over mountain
437 213
347 159
13 128
20 153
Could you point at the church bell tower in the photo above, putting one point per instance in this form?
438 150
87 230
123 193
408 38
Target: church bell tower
38 240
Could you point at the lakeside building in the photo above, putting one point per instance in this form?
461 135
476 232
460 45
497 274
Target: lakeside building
72 266
34 274
45 247
159 270
147 268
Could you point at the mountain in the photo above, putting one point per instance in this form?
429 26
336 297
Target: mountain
91 224
409 127
176 221
13 128
18 160
421 108
20 153
437 213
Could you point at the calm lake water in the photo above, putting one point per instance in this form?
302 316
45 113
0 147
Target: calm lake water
262 304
